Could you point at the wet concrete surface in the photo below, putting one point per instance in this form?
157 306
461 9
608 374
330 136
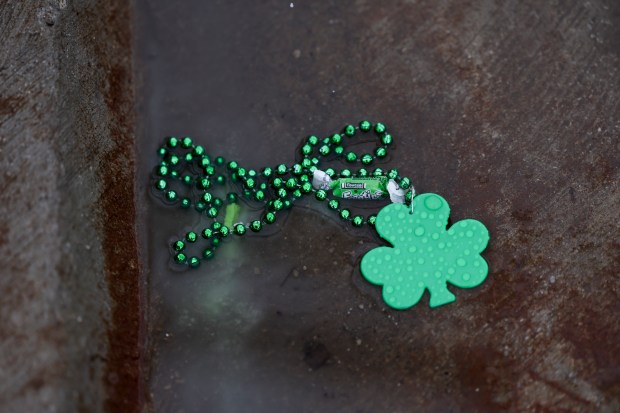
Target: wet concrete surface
69 315
510 110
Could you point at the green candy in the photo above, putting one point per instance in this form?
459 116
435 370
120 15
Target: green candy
425 256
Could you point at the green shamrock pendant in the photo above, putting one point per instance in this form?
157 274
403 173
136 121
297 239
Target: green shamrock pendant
425 255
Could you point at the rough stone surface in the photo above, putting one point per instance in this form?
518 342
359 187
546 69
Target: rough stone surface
69 297
510 110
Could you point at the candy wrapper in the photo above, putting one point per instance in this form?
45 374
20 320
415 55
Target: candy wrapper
366 188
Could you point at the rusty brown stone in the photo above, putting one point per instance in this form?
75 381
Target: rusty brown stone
69 315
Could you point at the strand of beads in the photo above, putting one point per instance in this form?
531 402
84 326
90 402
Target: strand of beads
187 176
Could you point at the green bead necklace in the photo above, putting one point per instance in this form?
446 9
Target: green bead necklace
188 177
276 188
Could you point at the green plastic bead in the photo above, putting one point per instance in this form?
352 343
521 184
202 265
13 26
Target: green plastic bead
174 160
178 245
297 169
207 197
330 172
162 151
405 183
250 183
276 183
180 258
267 172
171 195
194 262
378 172
386 139
187 180
392 173
349 130
259 195
281 169
324 150
174 174
296 193
220 160
239 229
224 231
338 150
256 226
220 180
306 187
336 139
191 236
205 161
185 203
200 206
232 165
207 233
304 178
215 242
345 173
199 150
162 170
252 173
209 170
380 152
315 161
313 140
345 213
408 197
365 126
291 183
306 150
270 217
208 253
242 172
161 184
372 219
282 193
212 212
357 221
189 157
277 205
362 173
333 204
203 183
186 142
173 142
367 159
288 204
379 128
306 163
216 226
351 157
217 202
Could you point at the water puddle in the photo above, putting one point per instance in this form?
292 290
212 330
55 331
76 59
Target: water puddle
282 322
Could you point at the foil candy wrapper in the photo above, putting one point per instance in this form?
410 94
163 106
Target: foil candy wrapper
366 188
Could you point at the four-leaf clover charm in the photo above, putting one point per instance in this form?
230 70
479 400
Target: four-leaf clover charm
425 255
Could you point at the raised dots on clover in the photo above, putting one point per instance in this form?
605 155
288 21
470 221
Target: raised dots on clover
456 249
